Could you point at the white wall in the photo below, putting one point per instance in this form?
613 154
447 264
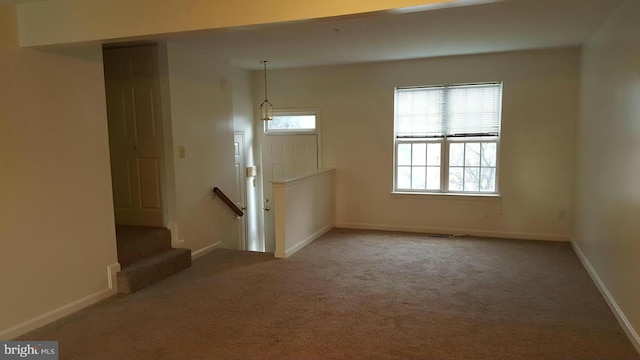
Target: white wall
540 106
607 194
202 117
56 212
304 210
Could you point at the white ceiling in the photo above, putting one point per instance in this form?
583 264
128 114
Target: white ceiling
499 26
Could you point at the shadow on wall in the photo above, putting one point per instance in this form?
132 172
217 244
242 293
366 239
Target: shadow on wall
208 222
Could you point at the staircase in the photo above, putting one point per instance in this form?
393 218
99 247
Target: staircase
146 256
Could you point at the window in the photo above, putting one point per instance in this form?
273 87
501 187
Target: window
447 138
291 122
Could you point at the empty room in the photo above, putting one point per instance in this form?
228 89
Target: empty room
397 179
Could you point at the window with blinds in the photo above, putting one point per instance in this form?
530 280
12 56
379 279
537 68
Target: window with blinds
447 138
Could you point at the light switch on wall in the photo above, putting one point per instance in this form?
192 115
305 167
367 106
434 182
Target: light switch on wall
182 153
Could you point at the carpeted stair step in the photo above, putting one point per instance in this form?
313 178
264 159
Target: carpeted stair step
138 242
152 269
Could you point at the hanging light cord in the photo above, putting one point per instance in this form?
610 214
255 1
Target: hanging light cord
265 62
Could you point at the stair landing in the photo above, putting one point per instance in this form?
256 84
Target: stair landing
146 257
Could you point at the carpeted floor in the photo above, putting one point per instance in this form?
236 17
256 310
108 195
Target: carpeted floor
359 295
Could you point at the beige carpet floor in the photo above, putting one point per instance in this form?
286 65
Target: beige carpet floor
359 295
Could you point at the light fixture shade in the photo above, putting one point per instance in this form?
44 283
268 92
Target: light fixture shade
266 111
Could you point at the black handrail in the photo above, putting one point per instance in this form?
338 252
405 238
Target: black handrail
230 204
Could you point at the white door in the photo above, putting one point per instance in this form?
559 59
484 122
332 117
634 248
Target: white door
135 134
284 156
241 187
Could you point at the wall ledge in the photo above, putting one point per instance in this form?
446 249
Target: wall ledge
292 250
302 178
304 209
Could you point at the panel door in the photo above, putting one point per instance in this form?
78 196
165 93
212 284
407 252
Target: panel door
135 134
284 156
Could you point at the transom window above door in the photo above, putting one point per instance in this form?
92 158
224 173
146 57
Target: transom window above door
290 122
447 139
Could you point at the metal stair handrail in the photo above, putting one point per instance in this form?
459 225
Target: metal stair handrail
226 200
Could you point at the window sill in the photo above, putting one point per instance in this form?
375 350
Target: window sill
458 196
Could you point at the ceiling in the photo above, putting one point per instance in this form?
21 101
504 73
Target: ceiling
489 27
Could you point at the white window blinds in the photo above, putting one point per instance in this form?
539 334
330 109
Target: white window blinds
449 111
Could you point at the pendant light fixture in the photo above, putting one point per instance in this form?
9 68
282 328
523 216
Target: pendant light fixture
266 109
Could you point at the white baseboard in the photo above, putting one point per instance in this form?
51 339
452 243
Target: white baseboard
112 270
479 233
613 305
205 250
62 311
292 250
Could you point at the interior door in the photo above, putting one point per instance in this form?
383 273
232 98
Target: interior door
284 156
241 187
135 134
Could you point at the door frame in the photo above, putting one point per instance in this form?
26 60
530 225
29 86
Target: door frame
243 243
260 133
293 111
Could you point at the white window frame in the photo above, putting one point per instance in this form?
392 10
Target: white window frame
445 178
293 112
444 157
395 167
